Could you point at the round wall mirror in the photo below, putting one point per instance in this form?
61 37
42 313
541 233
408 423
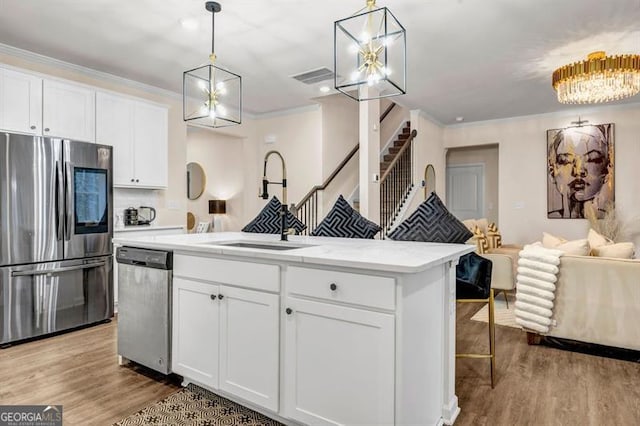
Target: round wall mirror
196 181
429 181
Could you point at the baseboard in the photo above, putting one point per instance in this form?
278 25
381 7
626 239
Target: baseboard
450 411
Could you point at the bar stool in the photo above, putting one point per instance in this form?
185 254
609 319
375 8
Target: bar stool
473 285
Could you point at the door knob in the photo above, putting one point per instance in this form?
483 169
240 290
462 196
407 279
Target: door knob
213 297
289 311
333 287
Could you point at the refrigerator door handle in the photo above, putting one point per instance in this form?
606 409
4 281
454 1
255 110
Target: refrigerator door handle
69 201
57 270
59 202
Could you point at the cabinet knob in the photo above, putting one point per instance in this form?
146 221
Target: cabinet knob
46 129
33 127
333 287
133 180
137 180
288 311
213 297
220 296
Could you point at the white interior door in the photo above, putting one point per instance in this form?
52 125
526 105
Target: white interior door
465 191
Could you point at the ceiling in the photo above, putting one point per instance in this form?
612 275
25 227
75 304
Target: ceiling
466 58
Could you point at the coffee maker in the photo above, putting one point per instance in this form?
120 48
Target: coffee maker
130 216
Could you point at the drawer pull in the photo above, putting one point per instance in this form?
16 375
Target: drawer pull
213 297
333 287
288 311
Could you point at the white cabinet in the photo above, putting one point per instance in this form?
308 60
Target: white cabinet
249 345
68 111
227 338
20 102
195 333
339 364
138 133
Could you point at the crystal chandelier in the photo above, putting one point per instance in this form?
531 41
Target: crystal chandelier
212 96
370 52
600 78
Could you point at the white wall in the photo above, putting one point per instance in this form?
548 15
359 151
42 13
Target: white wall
523 167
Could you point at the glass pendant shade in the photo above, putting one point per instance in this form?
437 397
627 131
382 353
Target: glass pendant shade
370 55
212 96
599 79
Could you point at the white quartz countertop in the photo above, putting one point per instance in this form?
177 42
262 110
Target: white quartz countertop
377 255
138 228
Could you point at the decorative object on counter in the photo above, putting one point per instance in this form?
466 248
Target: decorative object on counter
268 220
580 161
196 181
370 52
216 208
130 216
599 79
212 96
344 222
196 406
146 215
285 229
429 180
191 221
432 222
203 227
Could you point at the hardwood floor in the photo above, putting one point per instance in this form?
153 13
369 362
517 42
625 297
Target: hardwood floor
535 385
539 385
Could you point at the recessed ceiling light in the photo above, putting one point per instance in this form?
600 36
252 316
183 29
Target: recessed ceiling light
190 24
325 89
459 118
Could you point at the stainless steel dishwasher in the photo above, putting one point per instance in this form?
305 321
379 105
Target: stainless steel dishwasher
144 307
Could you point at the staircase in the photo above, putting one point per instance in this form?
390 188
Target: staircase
396 181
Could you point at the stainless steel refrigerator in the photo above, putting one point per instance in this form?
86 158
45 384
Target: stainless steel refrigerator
56 222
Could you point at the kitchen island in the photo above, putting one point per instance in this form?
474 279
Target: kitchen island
316 330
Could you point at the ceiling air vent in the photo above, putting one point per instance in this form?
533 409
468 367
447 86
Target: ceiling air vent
315 76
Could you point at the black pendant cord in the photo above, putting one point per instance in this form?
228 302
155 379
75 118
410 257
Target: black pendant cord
213 30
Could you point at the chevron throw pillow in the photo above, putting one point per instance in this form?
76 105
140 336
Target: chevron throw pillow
268 220
343 221
432 222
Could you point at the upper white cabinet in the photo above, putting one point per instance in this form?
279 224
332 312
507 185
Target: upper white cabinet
68 111
138 133
20 102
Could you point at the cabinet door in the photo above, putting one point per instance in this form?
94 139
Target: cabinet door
114 126
20 102
150 145
340 364
68 111
250 345
195 331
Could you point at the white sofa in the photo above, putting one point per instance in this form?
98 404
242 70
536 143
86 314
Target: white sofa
597 300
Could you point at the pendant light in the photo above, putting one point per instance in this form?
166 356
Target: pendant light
370 54
212 96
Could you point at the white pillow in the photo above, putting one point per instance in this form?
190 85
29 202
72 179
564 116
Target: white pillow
619 251
575 247
596 240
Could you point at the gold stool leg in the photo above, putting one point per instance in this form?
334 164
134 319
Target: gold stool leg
506 298
492 338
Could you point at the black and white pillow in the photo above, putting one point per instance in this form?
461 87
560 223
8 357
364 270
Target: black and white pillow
343 221
269 221
432 222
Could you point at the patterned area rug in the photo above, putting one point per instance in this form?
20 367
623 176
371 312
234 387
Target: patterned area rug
502 315
193 406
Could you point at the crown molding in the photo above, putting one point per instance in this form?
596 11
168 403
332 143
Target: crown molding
284 112
428 117
574 112
89 72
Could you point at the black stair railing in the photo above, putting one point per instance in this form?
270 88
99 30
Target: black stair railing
395 184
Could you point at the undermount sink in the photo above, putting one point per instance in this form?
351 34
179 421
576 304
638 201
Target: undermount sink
260 245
